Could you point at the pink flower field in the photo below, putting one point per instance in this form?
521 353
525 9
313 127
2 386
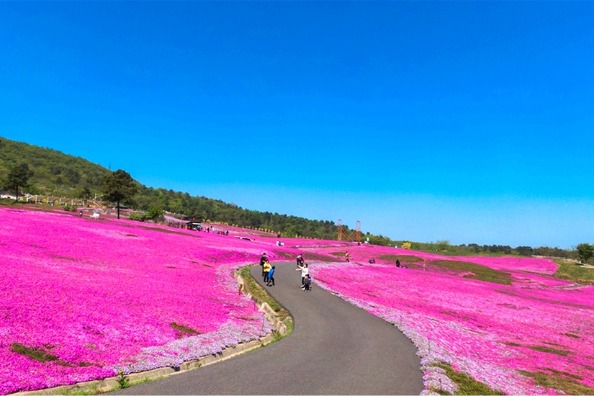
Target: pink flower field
98 296
496 333
83 299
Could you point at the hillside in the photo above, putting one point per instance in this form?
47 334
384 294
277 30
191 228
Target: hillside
481 325
54 173
61 175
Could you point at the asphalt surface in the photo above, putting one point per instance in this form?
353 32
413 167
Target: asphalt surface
335 348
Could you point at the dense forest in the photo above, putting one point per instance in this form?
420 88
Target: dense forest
60 175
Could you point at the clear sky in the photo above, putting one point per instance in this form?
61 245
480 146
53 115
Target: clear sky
471 122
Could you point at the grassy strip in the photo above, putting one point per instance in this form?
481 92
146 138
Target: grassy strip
183 330
546 349
561 381
37 354
479 272
404 259
574 272
466 384
260 295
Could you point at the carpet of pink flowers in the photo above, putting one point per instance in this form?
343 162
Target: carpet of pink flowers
490 331
102 295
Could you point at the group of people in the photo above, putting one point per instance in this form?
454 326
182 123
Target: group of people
267 270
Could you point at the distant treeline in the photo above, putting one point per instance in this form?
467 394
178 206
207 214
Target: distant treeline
207 209
474 248
61 175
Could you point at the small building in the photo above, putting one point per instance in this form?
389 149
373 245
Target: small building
7 194
192 225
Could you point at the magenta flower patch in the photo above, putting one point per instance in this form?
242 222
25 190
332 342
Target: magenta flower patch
81 299
491 331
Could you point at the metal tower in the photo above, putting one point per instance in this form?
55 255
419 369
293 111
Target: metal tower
345 235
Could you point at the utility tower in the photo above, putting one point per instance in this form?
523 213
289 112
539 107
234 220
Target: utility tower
358 231
345 235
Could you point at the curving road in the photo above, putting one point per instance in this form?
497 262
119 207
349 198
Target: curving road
335 348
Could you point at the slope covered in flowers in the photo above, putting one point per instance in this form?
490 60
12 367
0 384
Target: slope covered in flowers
82 299
500 334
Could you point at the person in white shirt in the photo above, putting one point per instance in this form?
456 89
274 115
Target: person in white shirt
304 268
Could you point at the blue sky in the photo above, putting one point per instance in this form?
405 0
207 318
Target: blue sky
470 122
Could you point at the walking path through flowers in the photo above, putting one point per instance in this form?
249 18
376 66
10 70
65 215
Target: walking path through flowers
335 349
83 299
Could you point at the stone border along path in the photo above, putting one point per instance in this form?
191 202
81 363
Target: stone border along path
335 348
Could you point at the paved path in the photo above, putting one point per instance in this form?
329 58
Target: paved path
335 348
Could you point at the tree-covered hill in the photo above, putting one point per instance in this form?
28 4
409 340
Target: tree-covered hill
61 175
54 173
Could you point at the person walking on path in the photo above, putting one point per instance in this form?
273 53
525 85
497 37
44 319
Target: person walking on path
263 259
304 272
266 270
270 278
347 257
307 283
299 260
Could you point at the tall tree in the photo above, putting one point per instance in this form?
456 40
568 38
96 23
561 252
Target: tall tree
85 194
18 176
585 252
119 187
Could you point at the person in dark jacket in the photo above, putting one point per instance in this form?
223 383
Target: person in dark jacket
263 259
307 283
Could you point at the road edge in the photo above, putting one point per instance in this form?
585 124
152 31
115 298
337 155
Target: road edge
280 319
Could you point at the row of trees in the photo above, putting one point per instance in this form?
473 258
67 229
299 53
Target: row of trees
444 247
121 189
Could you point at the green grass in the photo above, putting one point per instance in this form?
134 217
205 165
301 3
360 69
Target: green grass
559 380
479 272
82 391
36 354
259 294
466 384
308 256
43 356
182 330
554 351
574 272
403 259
